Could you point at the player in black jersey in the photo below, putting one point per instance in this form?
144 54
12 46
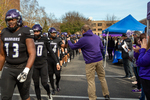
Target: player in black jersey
75 40
64 39
71 51
40 64
61 52
55 43
17 55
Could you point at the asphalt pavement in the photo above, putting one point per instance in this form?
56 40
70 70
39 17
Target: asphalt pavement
73 83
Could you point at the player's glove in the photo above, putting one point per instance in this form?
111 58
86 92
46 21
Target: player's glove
23 75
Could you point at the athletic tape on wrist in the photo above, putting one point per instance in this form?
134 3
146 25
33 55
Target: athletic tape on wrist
26 70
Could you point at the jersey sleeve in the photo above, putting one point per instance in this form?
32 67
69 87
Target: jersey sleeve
2 34
49 48
60 43
28 33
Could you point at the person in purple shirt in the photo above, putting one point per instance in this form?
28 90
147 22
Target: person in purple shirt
91 46
144 65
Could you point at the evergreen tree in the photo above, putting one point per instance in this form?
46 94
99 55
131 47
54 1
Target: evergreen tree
45 27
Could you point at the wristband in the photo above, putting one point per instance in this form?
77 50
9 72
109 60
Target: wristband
26 70
57 63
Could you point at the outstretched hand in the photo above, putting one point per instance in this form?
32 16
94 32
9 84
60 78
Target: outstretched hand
144 43
68 38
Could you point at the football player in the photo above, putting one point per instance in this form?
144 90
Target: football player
64 40
55 43
40 64
17 55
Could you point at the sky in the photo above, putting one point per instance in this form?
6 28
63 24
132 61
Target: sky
97 9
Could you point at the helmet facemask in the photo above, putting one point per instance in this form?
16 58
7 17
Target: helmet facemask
37 36
53 35
13 19
37 31
12 24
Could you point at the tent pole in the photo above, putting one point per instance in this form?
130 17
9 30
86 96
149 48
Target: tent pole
147 28
106 48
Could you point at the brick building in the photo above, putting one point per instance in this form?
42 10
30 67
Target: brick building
143 21
98 26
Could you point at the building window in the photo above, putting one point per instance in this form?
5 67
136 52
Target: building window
99 24
94 24
94 29
99 29
109 24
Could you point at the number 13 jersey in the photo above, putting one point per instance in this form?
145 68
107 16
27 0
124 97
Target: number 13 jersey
14 44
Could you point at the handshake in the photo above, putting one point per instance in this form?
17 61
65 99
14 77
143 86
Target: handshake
23 75
68 38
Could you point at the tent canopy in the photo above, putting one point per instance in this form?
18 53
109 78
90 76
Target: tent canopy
128 23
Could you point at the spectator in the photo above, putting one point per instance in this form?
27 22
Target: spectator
144 65
125 56
91 46
110 48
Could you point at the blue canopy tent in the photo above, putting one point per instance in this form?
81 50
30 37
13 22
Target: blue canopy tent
128 23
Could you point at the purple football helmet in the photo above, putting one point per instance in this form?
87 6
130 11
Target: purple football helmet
37 27
64 33
14 14
58 33
52 30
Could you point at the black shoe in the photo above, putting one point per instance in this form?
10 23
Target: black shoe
107 97
58 89
125 76
53 92
49 96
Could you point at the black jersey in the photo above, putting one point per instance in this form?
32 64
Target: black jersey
64 39
56 44
42 46
41 50
15 44
72 40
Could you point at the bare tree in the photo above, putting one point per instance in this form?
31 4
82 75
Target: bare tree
53 21
6 5
111 19
32 13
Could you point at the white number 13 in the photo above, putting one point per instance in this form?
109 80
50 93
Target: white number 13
16 49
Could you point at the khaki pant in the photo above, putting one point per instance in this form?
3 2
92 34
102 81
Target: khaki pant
90 75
